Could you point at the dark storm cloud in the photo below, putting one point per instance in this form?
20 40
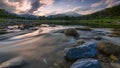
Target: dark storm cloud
35 5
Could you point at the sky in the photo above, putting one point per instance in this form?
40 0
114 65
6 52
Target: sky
51 7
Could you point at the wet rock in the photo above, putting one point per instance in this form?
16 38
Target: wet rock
3 31
100 33
113 58
115 33
115 65
108 48
15 62
105 65
84 28
78 43
71 32
97 37
87 50
86 63
102 58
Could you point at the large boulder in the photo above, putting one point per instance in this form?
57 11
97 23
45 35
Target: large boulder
108 48
86 63
71 32
87 50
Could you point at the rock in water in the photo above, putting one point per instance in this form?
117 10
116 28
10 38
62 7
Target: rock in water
15 62
108 48
115 65
71 32
86 63
84 28
87 50
78 43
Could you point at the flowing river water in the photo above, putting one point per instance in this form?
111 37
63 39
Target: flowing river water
42 49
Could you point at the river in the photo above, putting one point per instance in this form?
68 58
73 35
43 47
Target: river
42 49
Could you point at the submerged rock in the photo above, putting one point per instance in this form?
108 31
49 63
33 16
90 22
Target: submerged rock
15 62
86 63
87 50
71 32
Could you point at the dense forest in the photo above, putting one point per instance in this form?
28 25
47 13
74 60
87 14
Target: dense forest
5 14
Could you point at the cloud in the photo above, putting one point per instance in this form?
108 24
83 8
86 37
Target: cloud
111 3
47 2
90 11
16 6
76 9
108 3
38 3
96 4
24 6
43 11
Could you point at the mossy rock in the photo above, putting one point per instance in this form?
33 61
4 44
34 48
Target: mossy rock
108 48
71 32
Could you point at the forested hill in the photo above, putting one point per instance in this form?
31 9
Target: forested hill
5 14
110 13
113 12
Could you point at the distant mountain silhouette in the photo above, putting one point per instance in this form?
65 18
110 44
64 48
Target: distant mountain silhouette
70 14
28 16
